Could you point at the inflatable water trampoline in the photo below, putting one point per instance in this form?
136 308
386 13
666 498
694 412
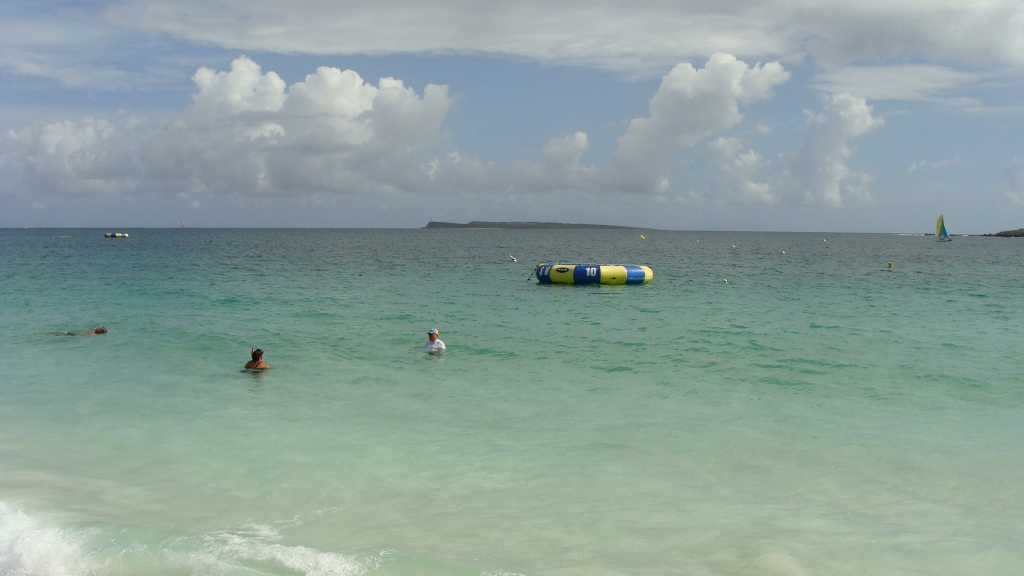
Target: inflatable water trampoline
549 273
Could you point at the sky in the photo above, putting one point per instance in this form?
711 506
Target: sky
777 115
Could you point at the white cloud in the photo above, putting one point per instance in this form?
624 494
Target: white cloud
689 106
63 50
245 88
927 83
243 134
332 94
816 173
735 180
64 157
248 133
68 72
562 161
644 34
954 42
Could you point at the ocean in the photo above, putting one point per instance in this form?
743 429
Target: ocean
770 404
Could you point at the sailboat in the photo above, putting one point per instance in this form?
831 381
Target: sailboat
940 230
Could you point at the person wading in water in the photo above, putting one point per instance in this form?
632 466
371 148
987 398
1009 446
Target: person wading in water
257 362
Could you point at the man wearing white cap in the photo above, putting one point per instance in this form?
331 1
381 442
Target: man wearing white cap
434 345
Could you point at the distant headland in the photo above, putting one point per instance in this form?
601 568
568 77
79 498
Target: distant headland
1019 233
529 225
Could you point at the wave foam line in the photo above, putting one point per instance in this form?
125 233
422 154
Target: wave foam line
30 548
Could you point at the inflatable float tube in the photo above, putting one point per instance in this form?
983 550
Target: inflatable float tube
116 235
549 273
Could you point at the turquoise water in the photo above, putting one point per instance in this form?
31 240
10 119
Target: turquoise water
816 414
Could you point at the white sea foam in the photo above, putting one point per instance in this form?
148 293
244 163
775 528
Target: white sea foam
27 547
259 543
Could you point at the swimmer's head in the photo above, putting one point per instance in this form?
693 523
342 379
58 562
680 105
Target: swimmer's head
100 330
257 354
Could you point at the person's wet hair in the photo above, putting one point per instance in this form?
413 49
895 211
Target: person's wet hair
257 354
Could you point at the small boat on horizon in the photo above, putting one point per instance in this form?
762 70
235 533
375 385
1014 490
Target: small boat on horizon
940 230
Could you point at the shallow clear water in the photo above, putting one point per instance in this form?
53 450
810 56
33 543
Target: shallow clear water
816 414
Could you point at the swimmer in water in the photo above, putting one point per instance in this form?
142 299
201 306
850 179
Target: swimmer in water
94 332
257 362
433 344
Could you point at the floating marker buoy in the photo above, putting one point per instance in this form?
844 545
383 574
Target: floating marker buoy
642 237
725 280
823 240
733 245
890 265
783 251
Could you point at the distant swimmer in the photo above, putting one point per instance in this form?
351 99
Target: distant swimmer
434 345
257 362
94 332
513 258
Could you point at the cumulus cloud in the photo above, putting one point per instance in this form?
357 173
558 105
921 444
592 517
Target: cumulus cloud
816 173
88 156
244 133
245 88
739 169
690 105
248 133
562 161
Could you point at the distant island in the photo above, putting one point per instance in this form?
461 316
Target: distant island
528 225
1019 233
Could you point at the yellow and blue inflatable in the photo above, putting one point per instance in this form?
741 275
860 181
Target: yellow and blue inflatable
116 235
549 273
